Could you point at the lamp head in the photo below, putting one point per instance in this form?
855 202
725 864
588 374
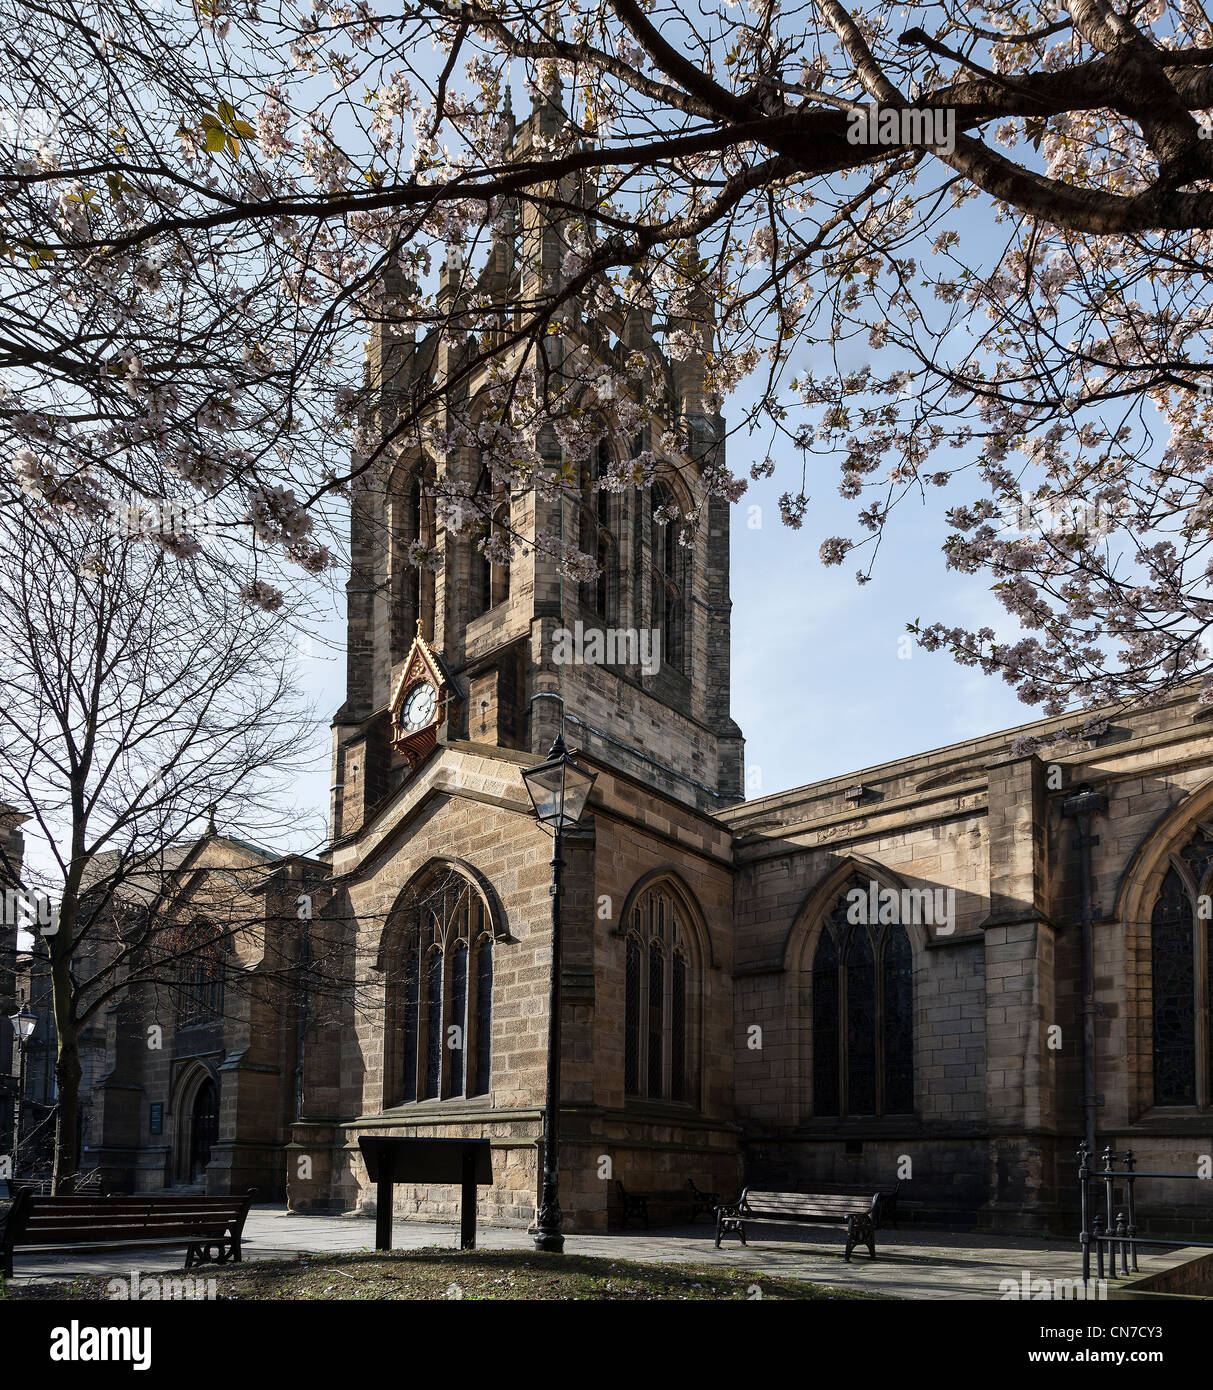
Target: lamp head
24 1022
559 788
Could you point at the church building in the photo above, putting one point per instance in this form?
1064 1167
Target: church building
872 978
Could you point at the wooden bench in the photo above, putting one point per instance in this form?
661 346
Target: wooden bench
860 1210
209 1227
637 1203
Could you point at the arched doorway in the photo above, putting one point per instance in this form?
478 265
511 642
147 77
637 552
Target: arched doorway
204 1128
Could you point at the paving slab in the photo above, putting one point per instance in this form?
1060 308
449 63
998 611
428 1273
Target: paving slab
909 1263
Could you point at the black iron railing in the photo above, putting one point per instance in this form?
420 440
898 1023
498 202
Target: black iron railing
1114 1230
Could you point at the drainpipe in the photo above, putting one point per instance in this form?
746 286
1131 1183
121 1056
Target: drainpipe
1082 806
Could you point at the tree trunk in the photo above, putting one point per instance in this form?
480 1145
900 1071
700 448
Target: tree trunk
67 1075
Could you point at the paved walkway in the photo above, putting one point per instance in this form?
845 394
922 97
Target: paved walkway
909 1264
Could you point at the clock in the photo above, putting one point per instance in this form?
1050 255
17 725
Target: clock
423 703
418 708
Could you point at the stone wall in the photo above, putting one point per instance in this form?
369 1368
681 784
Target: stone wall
997 1021
468 806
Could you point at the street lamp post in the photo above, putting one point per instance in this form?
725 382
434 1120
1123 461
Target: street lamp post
559 789
24 1022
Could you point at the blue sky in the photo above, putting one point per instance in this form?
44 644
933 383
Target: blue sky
818 686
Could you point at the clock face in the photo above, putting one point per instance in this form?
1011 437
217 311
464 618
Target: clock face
418 708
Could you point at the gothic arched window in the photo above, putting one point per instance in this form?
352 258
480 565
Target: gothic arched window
670 562
597 535
863 1018
1181 976
439 993
200 976
657 993
491 562
412 584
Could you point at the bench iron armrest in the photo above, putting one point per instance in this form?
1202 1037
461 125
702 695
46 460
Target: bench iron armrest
884 1206
634 1204
730 1221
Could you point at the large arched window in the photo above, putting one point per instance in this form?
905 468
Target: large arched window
1181 977
657 985
597 535
439 992
863 1018
670 563
200 975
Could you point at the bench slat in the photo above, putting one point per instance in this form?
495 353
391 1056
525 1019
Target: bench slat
128 1213
134 1213
808 1218
64 1223
800 1211
128 1204
124 1234
808 1199
854 1204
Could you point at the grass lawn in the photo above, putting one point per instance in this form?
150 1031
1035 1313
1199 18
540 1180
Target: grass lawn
472 1274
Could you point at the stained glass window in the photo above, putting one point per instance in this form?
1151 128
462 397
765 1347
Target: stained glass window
433 1026
897 1018
1209 999
678 1009
457 1024
861 1024
631 1012
825 1027
1181 972
439 1000
657 1059
408 1028
1198 855
199 992
1173 976
863 1018
484 1016
656 1018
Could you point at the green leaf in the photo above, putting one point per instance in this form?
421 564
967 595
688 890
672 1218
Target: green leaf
226 111
243 129
215 139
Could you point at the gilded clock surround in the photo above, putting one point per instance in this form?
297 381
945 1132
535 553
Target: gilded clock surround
422 666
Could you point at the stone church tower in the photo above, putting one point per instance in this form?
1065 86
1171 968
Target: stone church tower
496 627
459 677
